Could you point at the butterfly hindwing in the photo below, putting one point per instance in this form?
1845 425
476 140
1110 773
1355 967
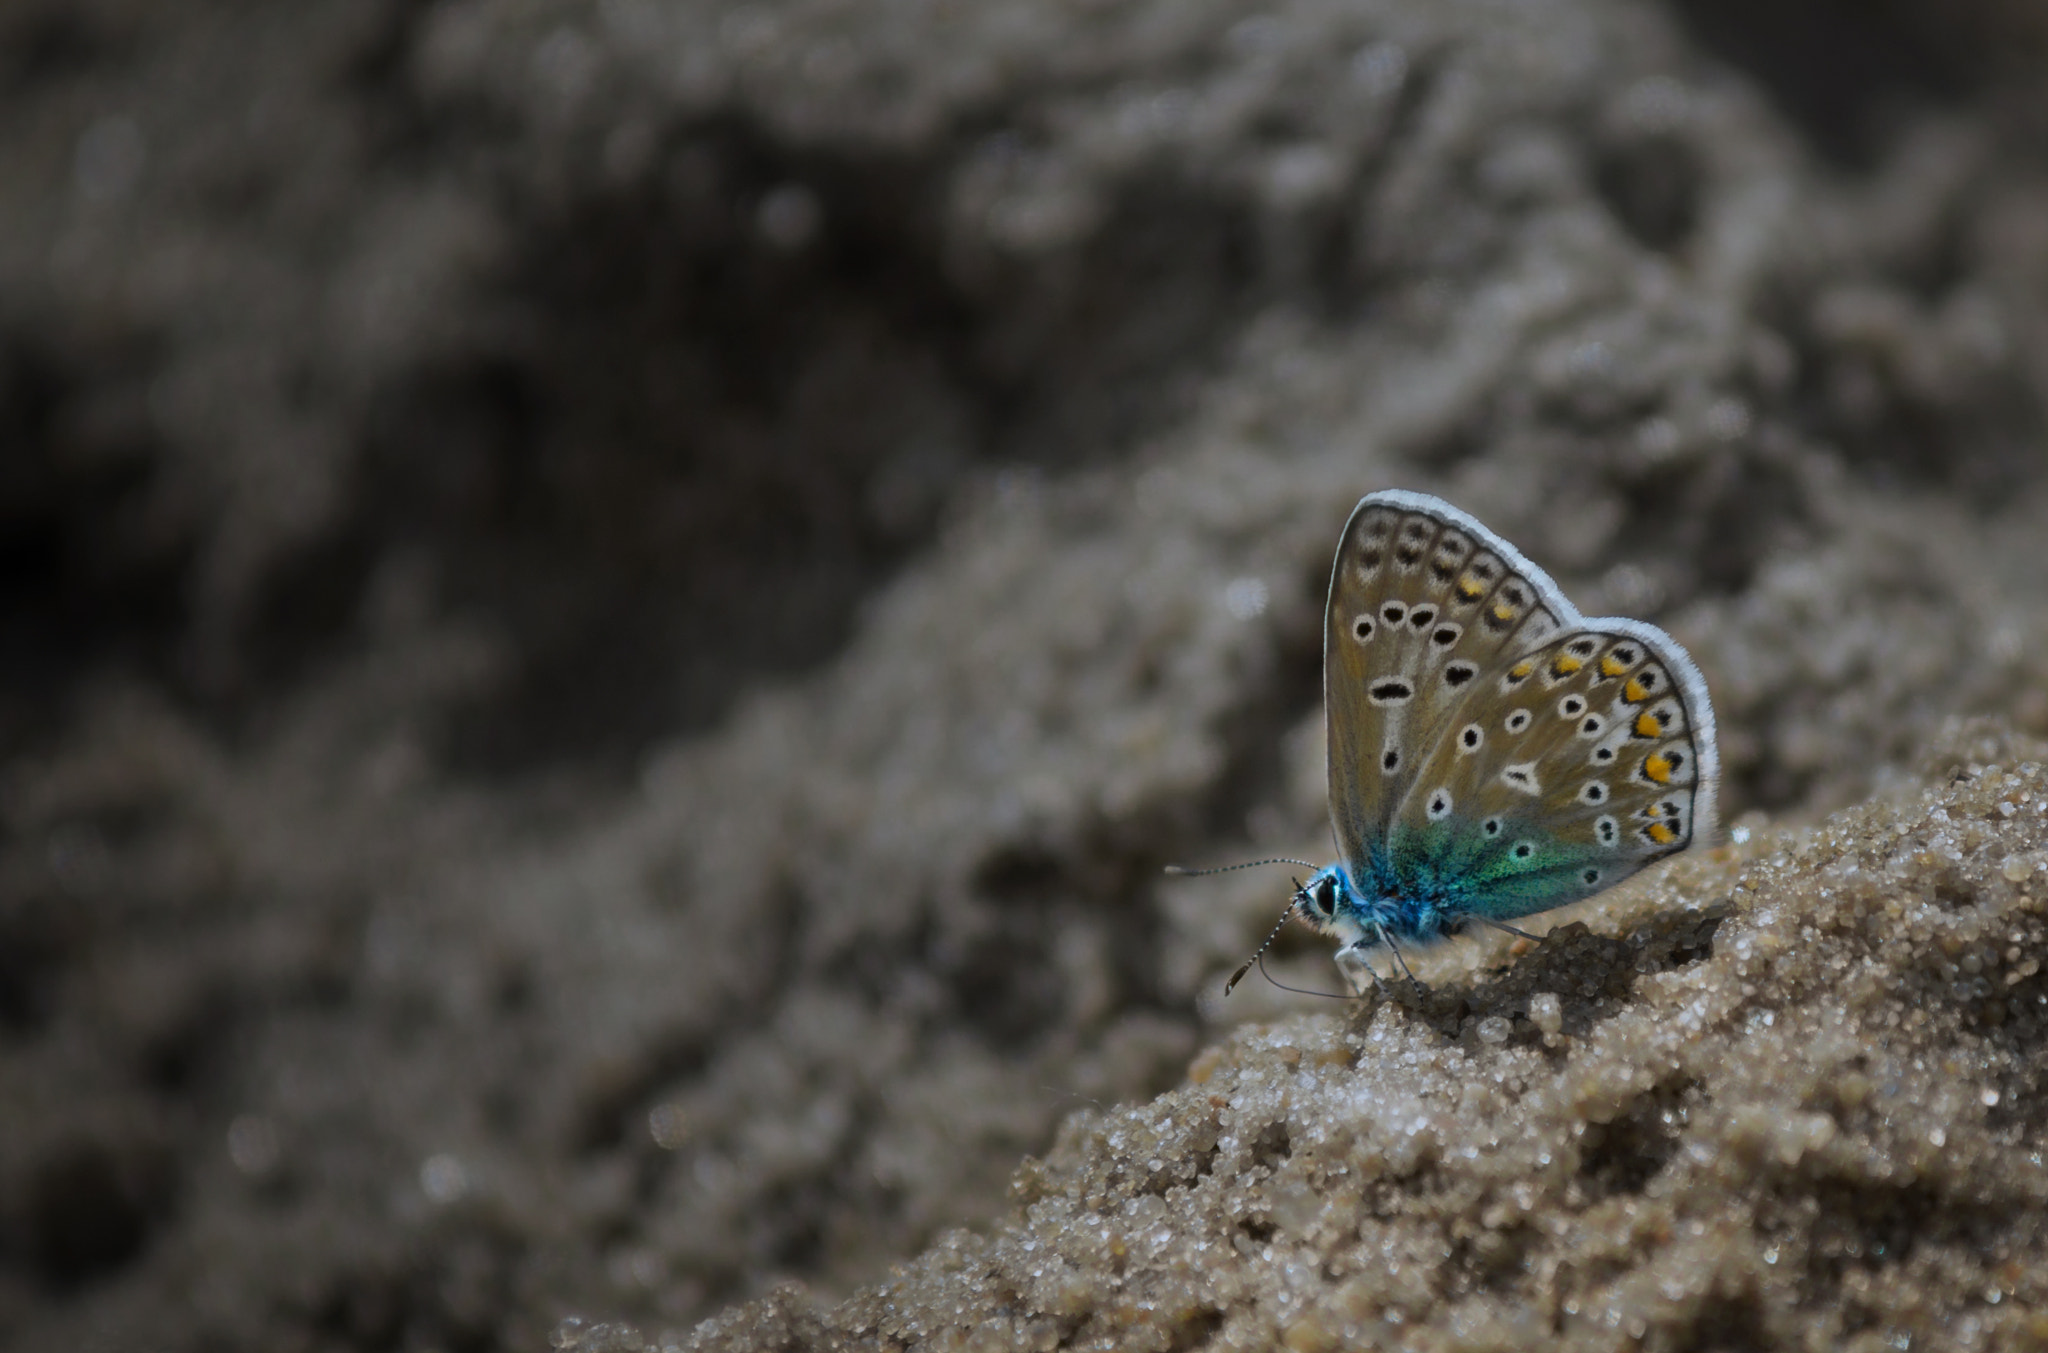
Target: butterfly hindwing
1562 782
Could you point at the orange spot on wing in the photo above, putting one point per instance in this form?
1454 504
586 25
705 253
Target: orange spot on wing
1503 611
1521 669
1565 665
1612 666
1662 834
1648 725
1658 768
1470 588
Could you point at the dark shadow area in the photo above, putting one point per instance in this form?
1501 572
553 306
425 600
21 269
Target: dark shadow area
1626 1152
1653 186
92 1205
90 576
1845 72
733 402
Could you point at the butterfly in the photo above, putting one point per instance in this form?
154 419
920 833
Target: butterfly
1492 752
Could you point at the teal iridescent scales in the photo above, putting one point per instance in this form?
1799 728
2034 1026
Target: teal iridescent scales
1492 752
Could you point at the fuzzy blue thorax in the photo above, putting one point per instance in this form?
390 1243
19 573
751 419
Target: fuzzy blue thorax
1332 904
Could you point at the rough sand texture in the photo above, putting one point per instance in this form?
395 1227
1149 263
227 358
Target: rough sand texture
1789 1096
612 610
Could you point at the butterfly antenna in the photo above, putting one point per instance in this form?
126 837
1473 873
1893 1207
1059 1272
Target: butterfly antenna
1259 954
1299 991
1179 871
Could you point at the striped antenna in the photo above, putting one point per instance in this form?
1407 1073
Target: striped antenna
1259 955
1260 959
1260 952
1179 871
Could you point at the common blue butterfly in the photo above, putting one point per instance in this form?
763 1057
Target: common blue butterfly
1492 753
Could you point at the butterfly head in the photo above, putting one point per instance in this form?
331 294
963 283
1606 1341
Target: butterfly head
1330 904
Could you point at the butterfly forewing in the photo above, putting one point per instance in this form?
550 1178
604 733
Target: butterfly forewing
1373 655
1419 608
1500 753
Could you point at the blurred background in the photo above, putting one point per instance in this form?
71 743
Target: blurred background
608 610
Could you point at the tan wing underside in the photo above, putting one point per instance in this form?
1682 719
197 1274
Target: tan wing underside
1431 640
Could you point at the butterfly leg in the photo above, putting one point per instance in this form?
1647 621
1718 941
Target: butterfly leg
1353 955
1501 925
1414 987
